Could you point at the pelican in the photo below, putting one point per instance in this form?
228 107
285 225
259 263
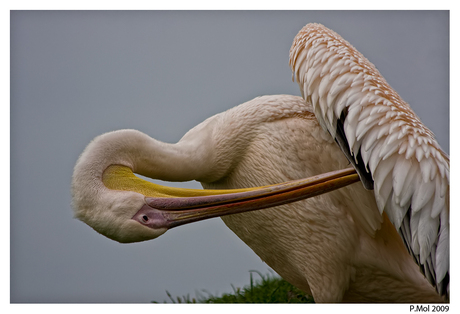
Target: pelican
385 240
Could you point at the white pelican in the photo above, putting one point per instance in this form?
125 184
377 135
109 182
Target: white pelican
338 246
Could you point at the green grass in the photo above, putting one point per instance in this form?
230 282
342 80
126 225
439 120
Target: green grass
267 289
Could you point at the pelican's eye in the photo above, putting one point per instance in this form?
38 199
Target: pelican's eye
145 218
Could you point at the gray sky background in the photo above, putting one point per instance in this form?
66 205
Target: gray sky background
77 74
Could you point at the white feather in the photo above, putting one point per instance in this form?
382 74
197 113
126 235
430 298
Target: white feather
395 211
442 249
414 223
422 195
400 172
428 229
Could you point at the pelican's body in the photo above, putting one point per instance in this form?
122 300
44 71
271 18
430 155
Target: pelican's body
329 245
338 246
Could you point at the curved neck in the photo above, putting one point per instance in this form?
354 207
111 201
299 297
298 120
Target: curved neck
141 153
206 153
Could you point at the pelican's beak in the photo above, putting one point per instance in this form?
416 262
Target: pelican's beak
167 207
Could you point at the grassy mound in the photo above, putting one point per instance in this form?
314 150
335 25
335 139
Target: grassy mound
268 289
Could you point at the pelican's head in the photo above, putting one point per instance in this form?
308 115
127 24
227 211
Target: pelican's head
108 206
116 203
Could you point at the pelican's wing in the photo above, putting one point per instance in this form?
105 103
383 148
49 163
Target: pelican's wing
389 146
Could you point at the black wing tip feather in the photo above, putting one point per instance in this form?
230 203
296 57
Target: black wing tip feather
341 140
427 269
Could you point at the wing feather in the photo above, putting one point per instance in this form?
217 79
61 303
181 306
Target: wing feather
379 133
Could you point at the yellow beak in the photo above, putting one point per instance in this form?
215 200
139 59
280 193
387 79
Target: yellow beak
167 207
